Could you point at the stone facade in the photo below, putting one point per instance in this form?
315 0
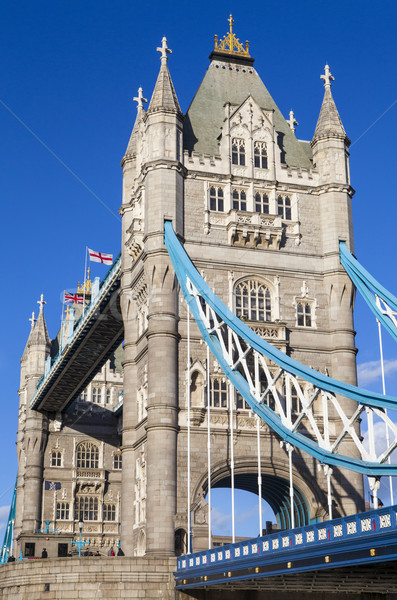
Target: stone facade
261 214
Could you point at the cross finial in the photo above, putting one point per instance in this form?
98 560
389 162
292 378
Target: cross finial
164 50
292 122
41 302
327 77
231 21
32 321
140 99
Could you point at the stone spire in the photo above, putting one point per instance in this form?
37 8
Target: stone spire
329 123
132 144
39 333
164 97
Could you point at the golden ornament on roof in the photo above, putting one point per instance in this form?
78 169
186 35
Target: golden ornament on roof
230 44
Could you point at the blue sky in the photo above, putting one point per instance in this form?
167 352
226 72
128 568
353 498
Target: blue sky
68 73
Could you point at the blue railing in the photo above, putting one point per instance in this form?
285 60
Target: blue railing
106 284
346 528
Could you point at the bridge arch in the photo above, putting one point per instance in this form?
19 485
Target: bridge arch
309 503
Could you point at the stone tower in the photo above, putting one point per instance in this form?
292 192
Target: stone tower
261 214
32 429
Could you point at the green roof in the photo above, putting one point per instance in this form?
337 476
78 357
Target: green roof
232 82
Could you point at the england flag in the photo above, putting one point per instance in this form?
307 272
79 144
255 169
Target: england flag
105 259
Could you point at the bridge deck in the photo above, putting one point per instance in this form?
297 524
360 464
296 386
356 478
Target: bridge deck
97 334
362 539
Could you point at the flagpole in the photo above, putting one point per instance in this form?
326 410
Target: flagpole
85 274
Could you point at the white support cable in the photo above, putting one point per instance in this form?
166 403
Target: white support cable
258 435
329 491
231 401
291 485
209 447
384 393
188 429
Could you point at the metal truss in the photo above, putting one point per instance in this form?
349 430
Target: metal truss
305 407
382 302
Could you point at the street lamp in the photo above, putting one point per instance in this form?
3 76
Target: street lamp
81 529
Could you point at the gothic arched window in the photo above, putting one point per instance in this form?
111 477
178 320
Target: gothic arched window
253 301
87 455
216 198
284 208
117 461
260 155
238 152
261 203
109 512
239 200
86 508
62 511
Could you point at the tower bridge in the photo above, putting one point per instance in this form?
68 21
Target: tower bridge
237 233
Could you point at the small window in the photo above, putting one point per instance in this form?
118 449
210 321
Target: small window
109 512
260 155
241 404
96 395
284 208
29 549
304 314
62 511
216 199
56 459
239 200
238 152
108 395
261 203
83 396
117 461
218 392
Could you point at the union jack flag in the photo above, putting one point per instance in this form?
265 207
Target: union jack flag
76 298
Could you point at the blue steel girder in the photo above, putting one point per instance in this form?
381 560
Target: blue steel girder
365 538
234 344
382 302
99 331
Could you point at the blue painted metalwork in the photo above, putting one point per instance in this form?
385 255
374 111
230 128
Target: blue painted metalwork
89 313
188 276
356 539
7 543
369 289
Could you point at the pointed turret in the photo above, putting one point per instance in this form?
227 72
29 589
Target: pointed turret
164 96
39 333
329 122
330 143
38 345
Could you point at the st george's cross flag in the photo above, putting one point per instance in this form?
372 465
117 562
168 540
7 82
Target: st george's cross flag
105 259
76 298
